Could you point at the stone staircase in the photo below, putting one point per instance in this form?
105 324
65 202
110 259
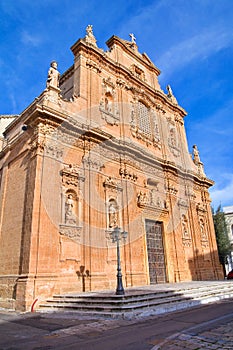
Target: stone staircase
141 301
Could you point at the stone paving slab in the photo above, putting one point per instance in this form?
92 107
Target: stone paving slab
207 336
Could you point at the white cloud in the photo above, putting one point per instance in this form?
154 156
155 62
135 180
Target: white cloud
223 196
30 39
197 47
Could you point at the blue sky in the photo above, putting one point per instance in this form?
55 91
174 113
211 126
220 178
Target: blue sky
190 41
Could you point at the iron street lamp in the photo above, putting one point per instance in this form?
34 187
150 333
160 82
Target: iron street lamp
116 236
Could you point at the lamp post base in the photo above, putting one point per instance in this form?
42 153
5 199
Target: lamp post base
120 288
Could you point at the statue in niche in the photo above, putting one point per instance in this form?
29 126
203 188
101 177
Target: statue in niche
184 226
70 217
142 198
53 75
203 232
107 106
113 215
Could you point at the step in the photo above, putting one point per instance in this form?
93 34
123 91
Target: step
138 301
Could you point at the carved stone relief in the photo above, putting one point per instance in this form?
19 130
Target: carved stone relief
201 209
186 237
183 203
204 236
93 161
70 175
128 174
108 104
170 188
53 150
93 65
172 140
137 72
151 200
70 231
112 185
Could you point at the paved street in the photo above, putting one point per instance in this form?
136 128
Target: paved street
206 327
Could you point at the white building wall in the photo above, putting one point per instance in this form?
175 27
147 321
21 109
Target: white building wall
228 211
5 120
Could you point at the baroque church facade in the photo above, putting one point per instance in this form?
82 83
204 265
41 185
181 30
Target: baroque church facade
102 149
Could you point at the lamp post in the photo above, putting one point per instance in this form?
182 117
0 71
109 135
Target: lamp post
117 236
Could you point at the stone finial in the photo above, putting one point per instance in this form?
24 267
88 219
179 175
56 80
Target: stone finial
89 37
170 94
53 75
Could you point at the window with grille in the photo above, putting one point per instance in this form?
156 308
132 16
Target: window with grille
143 114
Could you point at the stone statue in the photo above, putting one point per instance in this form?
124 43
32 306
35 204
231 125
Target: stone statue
113 217
53 75
142 198
89 30
170 94
90 38
184 225
69 210
203 231
196 157
169 90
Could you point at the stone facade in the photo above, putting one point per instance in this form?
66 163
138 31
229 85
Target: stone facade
102 147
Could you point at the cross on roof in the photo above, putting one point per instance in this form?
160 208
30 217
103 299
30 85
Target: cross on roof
133 39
